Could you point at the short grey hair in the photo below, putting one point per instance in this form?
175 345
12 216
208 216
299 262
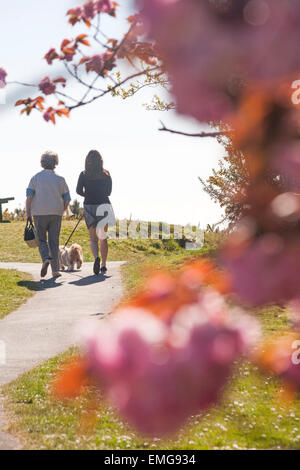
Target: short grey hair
49 160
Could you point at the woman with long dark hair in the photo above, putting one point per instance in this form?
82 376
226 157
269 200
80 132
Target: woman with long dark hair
95 185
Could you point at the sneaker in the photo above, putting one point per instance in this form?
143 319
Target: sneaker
45 267
56 275
97 266
104 269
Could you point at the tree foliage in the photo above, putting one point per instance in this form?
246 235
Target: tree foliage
227 183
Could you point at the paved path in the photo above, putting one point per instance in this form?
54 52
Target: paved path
45 325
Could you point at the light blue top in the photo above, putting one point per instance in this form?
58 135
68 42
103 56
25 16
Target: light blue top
49 192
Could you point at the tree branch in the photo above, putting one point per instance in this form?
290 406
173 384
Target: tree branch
111 89
187 134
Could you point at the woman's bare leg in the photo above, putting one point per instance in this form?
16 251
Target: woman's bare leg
103 245
94 242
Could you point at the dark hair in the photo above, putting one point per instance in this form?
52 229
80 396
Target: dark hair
49 160
94 165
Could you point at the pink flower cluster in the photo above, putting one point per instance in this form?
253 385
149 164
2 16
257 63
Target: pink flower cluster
158 373
280 355
262 253
91 8
291 372
286 161
99 63
96 63
48 87
265 271
47 116
3 76
211 48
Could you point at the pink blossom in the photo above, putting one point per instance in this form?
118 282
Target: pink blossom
3 75
78 12
68 56
159 373
211 48
51 55
96 63
89 10
294 308
47 116
109 60
103 6
286 160
291 373
265 271
47 86
280 355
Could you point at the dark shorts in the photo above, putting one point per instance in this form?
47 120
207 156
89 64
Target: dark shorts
95 213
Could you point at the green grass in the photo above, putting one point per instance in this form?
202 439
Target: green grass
140 254
14 290
249 416
13 248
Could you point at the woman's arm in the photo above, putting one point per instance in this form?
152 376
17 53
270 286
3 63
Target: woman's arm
28 206
30 193
80 186
109 185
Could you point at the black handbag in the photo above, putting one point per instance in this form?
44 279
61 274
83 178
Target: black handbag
29 235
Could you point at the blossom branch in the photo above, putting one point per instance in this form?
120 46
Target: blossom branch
111 89
187 134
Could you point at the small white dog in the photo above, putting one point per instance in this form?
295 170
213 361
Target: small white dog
68 257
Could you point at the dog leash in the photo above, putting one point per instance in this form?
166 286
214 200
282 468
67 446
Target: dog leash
73 231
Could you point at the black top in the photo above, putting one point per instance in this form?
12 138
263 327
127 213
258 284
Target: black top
94 191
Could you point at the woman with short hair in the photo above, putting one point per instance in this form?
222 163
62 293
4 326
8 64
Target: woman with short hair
48 197
95 185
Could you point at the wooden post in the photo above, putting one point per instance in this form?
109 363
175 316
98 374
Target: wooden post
4 201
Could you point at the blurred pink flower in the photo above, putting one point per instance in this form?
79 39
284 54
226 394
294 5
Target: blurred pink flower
109 60
3 75
103 6
211 48
159 373
281 356
51 55
286 160
291 374
99 63
267 270
96 63
47 86
78 11
294 308
47 116
89 10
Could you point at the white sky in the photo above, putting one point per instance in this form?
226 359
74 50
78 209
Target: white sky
154 173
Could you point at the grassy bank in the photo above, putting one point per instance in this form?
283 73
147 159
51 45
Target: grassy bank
249 416
13 248
13 291
140 254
